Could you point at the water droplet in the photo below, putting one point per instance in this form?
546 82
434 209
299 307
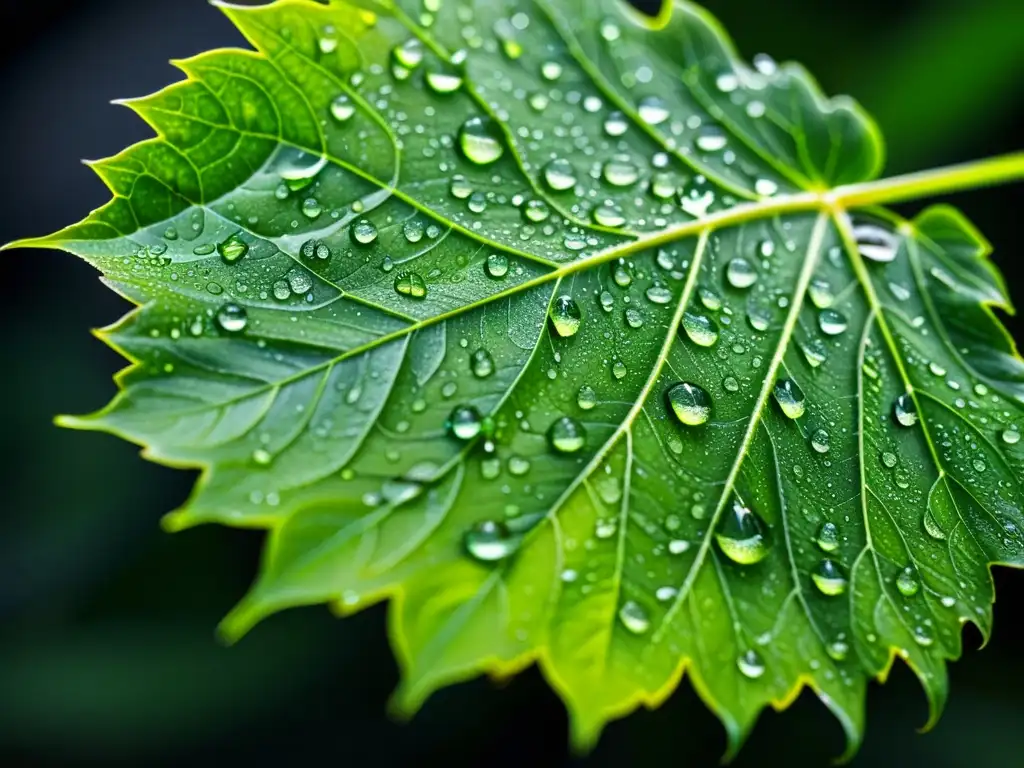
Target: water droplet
232 249
711 139
634 617
465 422
875 243
815 352
790 398
904 411
299 169
567 435
518 465
413 231
497 265
232 318
741 535
664 594
560 175
837 650
828 537
831 322
615 124
315 249
652 110
931 527
765 187
620 173
759 317
690 403
566 316
701 329
634 318
609 215
820 440
821 293
299 281
587 398
1011 436
730 384
740 273
619 370
907 582
710 299
311 208
342 108
889 459
481 140
262 457
751 664
828 578
443 82
551 70
411 284
364 231
659 294
481 363
490 541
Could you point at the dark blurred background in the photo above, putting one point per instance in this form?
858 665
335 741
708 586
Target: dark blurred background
107 652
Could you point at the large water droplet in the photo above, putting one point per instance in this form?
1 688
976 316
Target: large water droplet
659 294
904 411
831 322
481 363
609 215
465 422
560 175
411 284
741 535
342 108
620 173
634 617
587 398
615 124
750 664
232 249
828 537
690 403
931 526
821 293
820 440
566 316
299 169
790 398
363 231
490 541
1011 436
481 140
875 243
711 139
567 435
740 273
409 54
497 265
232 318
652 110
828 577
907 582
315 249
701 329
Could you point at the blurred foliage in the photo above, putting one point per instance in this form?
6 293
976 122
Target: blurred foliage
107 651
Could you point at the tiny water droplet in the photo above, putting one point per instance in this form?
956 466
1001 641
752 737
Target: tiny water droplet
690 403
609 215
790 398
567 435
620 173
711 139
741 535
828 578
566 316
619 370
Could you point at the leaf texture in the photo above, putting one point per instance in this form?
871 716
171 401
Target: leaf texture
537 317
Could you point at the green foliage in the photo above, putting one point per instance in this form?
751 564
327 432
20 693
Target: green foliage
550 322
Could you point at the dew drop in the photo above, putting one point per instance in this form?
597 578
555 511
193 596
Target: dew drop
232 318
820 441
821 293
551 70
497 265
1011 436
567 435
586 398
828 578
443 82
659 294
315 249
481 363
904 411
790 398
619 173
634 319
875 243
838 650
750 664
560 175
364 231
652 110
831 322
299 281
609 215
634 617
311 208
828 537
740 273
615 124
931 526
566 316
490 541
741 536
701 329
907 582
465 422
690 403
480 140
232 249
411 284
711 139
342 109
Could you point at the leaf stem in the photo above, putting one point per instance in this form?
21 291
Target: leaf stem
953 178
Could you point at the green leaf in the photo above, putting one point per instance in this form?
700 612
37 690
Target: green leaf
552 323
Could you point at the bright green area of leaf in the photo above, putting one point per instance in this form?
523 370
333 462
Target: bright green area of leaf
539 318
